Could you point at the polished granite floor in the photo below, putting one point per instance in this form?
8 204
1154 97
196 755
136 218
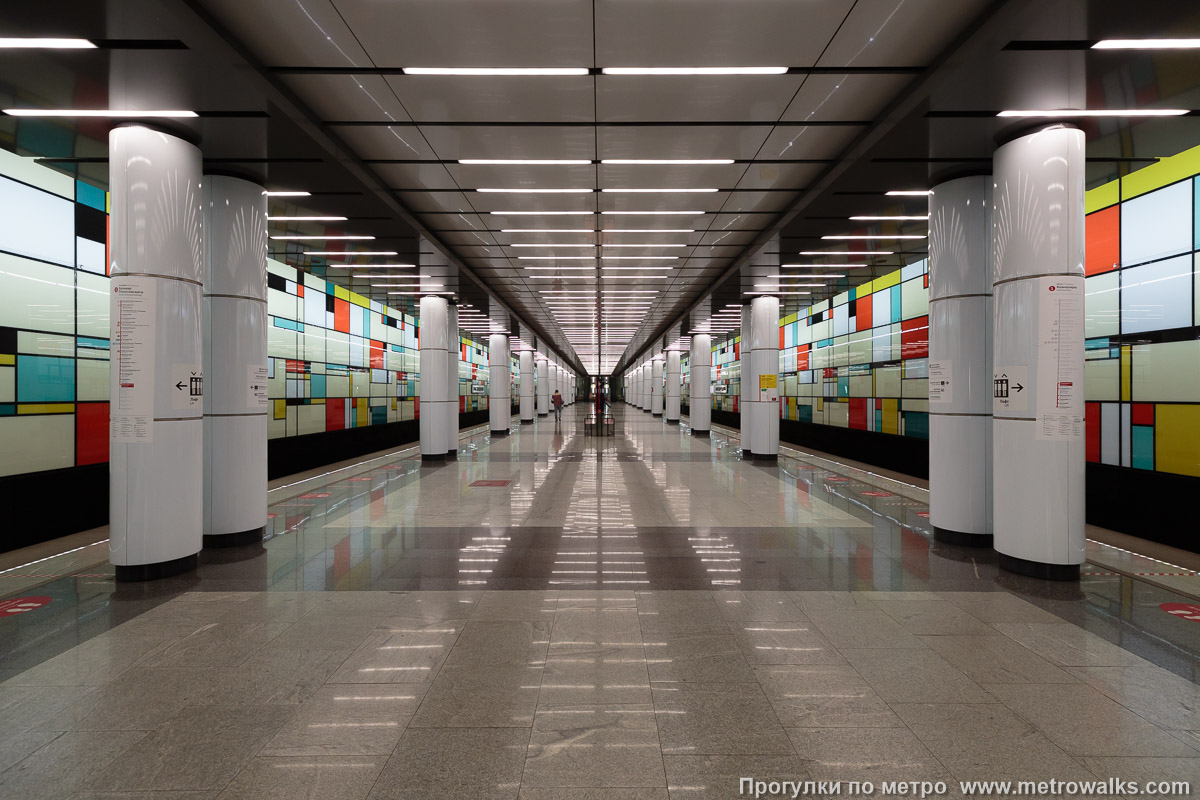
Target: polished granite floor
635 618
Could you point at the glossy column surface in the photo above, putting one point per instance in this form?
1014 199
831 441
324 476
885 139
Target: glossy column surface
235 360
700 405
960 354
453 351
543 386
673 377
435 401
764 361
156 439
1038 445
656 385
499 384
525 385
744 371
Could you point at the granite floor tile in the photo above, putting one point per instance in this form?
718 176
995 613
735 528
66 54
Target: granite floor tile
823 697
717 719
325 777
484 643
789 642
577 674
397 657
693 658
1162 697
915 676
475 696
16 745
25 707
921 614
599 625
65 764
201 748
347 720
438 605
1068 645
998 607
606 793
455 763
311 632
717 777
865 754
996 659
594 746
141 699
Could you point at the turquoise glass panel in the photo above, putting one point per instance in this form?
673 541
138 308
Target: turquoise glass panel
1142 446
89 195
45 379
895 295
318 386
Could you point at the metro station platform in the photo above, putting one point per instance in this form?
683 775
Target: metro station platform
558 616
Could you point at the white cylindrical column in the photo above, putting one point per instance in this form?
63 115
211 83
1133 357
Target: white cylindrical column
1037 433
525 385
747 383
637 386
960 361
235 361
499 384
454 400
156 379
656 385
647 383
543 386
764 364
435 401
701 401
674 377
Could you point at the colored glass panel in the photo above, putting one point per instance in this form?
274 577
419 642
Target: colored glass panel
1103 233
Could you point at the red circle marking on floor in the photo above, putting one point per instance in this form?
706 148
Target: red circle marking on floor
314 495
19 605
876 494
924 514
360 479
1185 610
837 480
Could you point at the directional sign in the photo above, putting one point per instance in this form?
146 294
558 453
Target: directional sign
256 386
187 386
1010 389
941 387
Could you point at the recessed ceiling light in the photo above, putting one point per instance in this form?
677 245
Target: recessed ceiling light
661 191
845 253
806 275
653 213
646 230
879 236
351 253
640 258
45 42
822 266
556 258
495 71
97 112
694 70
780 293
884 218
648 266
575 269
322 236
908 192
542 213
286 193
553 244
307 219
417 294
638 277
525 161
1056 113
520 190
547 230
1147 44
368 266
405 276
667 161
648 244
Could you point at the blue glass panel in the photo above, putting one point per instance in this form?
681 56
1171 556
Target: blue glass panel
895 293
89 195
318 386
45 379
916 423
1142 441
378 415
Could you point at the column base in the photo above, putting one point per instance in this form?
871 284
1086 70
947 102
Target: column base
128 573
1036 569
672 422
500 433
747 453
234 539
699 433
766 456
655 415
544 414
526 422
961 539
433 457
452 455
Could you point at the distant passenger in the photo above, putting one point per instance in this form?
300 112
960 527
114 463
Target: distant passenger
557 402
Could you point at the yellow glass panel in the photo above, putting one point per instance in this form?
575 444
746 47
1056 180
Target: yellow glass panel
884 281
1102 196
1126 373
1157 175
45 408
8 359
1177 439
341 293
891 416
358 300
280 409
362 412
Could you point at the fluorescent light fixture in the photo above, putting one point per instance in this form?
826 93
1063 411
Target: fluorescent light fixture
351 253
822 266
412 285
667 161
369 266
653 213
519 190
547 230
418 294
575 269
357 238
1147 44
885 218
806 275
1068 113
554 244
44 42
525 161
694 70
634 268
856 237
640 258
98 112
909 192
646 230
542 213
404 276
307 219
638 277
556 258
287 193
845 253
780 293
661 191
645 245
481 71
787 285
